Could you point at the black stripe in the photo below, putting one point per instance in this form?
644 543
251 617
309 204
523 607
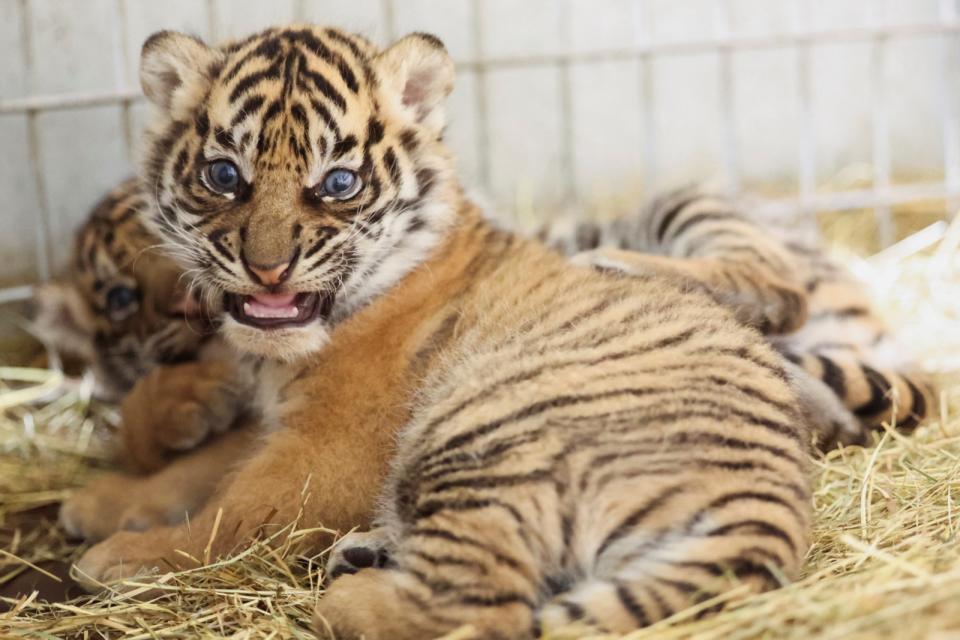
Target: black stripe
494 482
180 164
627 525
215 260
249 106
574 611
460 462
918 407
498 600
667 218
721 566
223 251
202 124
441 534
682 586
408 140
632 606
324 115
249 81
348 76
320 49
298 113
879 393
694 438
344 146
224 138
430 508
832 376
701 218
445 559
269 49
374 132
755 527
390 161
323 86
346 40
760 496
744 353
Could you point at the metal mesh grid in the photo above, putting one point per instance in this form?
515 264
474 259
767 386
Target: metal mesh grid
882 196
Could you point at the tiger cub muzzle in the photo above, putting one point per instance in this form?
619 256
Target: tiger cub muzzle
279 310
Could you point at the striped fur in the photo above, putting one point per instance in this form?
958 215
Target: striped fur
568 444
609 450
811 308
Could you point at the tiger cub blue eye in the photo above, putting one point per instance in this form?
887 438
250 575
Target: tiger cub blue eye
223 176
121 302
341 183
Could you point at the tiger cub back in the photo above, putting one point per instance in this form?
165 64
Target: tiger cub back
588 447
810 307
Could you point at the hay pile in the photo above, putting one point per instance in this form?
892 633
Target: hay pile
885 560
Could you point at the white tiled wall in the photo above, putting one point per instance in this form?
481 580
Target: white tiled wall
539 132
608 136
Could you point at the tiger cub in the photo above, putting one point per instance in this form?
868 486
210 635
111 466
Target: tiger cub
811 308
539 441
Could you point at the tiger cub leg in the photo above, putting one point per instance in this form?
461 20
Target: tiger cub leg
660 547
447 570
119 501
684 543
770 302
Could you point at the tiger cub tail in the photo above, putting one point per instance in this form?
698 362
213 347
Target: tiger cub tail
875 395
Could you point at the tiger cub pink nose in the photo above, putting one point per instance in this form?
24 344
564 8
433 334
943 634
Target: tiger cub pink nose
269 276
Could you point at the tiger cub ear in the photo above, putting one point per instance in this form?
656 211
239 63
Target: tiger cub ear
416 76
59 317
174 68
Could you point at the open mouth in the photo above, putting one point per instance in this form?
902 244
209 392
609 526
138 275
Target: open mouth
278 310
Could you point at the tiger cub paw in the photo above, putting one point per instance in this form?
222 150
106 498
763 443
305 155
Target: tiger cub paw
358 550
109 504
176 408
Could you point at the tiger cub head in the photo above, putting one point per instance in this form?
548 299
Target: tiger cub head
121 307
298 172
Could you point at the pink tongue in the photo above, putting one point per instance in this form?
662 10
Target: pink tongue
274 300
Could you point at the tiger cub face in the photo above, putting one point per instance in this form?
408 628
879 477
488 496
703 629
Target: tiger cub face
121 307
299 172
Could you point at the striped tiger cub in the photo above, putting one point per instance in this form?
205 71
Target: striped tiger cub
539 442
810 307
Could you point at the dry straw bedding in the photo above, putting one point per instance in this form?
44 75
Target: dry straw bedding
885 562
